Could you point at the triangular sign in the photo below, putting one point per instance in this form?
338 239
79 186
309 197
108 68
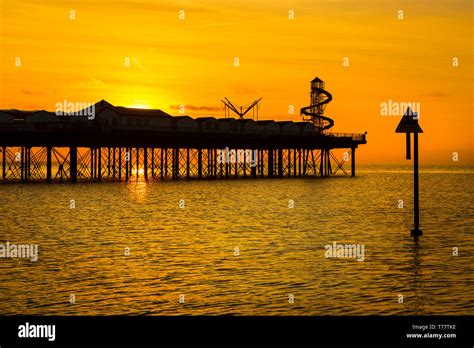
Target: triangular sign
409 123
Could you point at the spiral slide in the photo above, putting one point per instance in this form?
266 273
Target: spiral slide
319 99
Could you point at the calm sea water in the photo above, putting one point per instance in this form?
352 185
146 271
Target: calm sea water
237 248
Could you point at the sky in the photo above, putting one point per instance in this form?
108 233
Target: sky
162 54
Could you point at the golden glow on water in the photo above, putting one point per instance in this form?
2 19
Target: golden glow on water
138 190
191 250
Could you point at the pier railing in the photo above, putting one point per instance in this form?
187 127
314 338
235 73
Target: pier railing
353 136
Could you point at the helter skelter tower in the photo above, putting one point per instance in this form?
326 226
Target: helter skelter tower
319 98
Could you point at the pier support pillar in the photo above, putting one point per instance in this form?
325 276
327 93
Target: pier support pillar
321 163
200 163
28 163
22 163
92 163
175 164
270 163
299 162
4 162
138 162
253 170
187 164
145 162
108 161
73 163
353 161
161 163
280 162
127 161
152 162
120 164
99 164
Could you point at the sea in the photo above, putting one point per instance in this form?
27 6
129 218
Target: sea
243 246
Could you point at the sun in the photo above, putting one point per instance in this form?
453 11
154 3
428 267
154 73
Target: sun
141 171
139 106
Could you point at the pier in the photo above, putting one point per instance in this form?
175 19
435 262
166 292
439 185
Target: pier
120 144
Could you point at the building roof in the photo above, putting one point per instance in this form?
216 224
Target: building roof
205 118
302 123
265 122
316 79
140 112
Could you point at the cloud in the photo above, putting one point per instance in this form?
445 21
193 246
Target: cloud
196 108
435 95
28 92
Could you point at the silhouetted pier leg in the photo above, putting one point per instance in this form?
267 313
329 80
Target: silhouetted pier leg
270 163
137 169
280 163
321 163
305 160
236 165
329 163
221 165
294 163
22 163
48 163
120 163
166 163
161 164
326 162
145 162
28 163
152 162
174 164
209 160
4 162
200 163
227 165
130 162
214 162
288 153
253 169
99 164
92 163
353 161
299 162
113 163
188 175
108 162
73 163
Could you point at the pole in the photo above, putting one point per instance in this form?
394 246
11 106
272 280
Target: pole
353 161
416 231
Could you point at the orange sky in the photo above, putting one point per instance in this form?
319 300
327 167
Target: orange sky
190 61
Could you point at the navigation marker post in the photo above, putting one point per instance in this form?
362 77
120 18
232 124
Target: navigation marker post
409 124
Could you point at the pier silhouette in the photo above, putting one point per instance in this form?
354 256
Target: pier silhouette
120 143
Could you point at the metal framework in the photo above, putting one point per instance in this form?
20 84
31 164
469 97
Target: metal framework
254 106
74 164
